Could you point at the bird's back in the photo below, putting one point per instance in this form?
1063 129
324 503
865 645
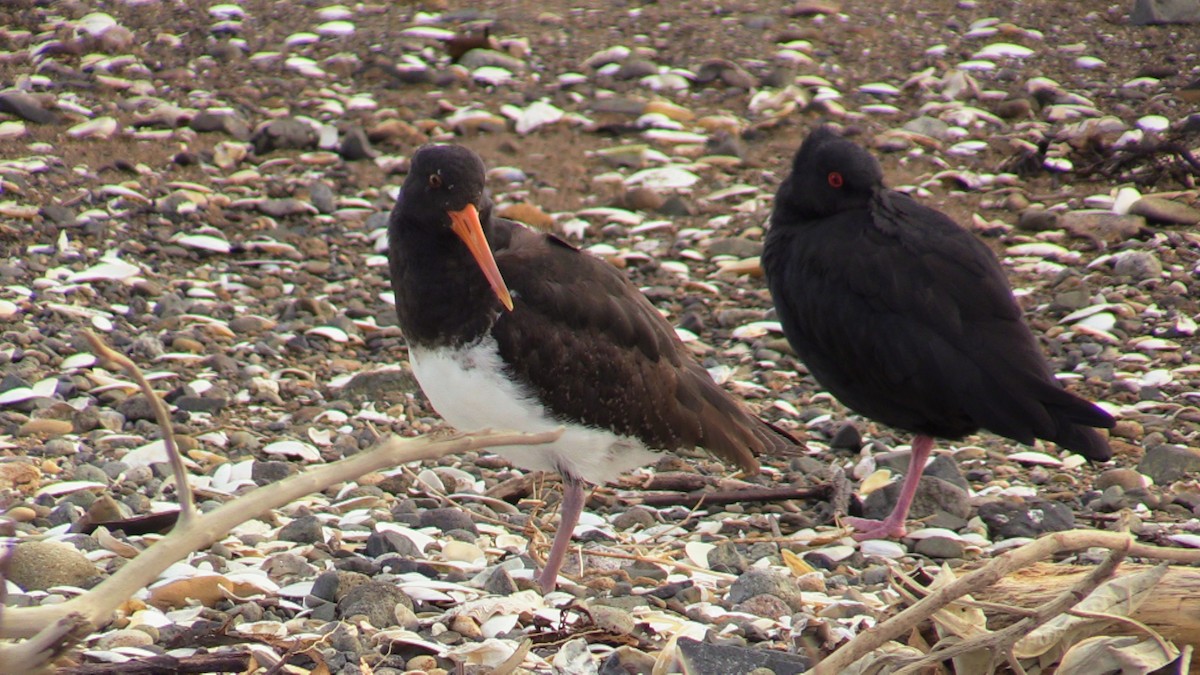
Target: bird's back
908 319
595 350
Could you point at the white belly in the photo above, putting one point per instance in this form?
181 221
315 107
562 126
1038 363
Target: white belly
468 389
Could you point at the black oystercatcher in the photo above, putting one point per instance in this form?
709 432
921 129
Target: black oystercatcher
907 318
509 328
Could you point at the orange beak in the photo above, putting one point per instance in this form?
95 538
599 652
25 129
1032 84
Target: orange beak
465 224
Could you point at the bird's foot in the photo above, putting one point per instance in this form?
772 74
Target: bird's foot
869 528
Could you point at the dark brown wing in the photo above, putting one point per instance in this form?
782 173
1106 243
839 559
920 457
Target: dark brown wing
595 350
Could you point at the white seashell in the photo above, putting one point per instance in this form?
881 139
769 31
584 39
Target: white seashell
976 65
1002 50
927 532
1036 458
1157 378
967 148
756 329
8 309
304 66
289 448
428 33
836 553
12 129
879 89
111 269
1044 250
334 12
1101 321
492 75
41 389
1154 123
226 12
498 625
666 177
606 56
96 24
882 548
673 136
1190 540
1060 164
204 242
329 332
878 479
537 114
69 486
301 39
336 28
1125 198
880 109
1089 62
76 361
101 127
697 552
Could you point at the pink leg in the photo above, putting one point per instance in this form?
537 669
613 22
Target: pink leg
568 518
892 527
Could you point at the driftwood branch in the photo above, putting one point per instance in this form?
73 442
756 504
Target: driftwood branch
98 604
183 489
750 494
1001 641
1172 607
971 583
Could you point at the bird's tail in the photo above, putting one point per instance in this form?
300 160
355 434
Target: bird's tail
1076 420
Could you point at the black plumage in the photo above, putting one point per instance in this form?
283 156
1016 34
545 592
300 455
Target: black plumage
905 316
575 339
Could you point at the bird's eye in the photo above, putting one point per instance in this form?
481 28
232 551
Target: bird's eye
835 179
435 181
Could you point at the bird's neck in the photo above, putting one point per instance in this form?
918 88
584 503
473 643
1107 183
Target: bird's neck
442 296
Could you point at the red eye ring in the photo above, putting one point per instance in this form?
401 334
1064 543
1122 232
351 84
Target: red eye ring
835 179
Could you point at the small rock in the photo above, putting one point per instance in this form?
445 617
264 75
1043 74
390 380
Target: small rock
266 472
933 495
38 565
847 437
355 146
377 600
763 605
726 558
284 134
940 547
1157 209
738 247
759 582
228 122
303 530
1037 220
612 620
1167 463
928 126
448 519
500 582
136 408
1139 265
1006 519
126 637
703 658
1146 12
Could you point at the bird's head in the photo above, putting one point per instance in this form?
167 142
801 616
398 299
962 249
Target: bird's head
829 175
445 188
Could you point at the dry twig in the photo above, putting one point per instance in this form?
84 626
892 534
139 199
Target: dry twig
51 627
1058 542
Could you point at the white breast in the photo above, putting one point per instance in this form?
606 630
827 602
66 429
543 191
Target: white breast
468 388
